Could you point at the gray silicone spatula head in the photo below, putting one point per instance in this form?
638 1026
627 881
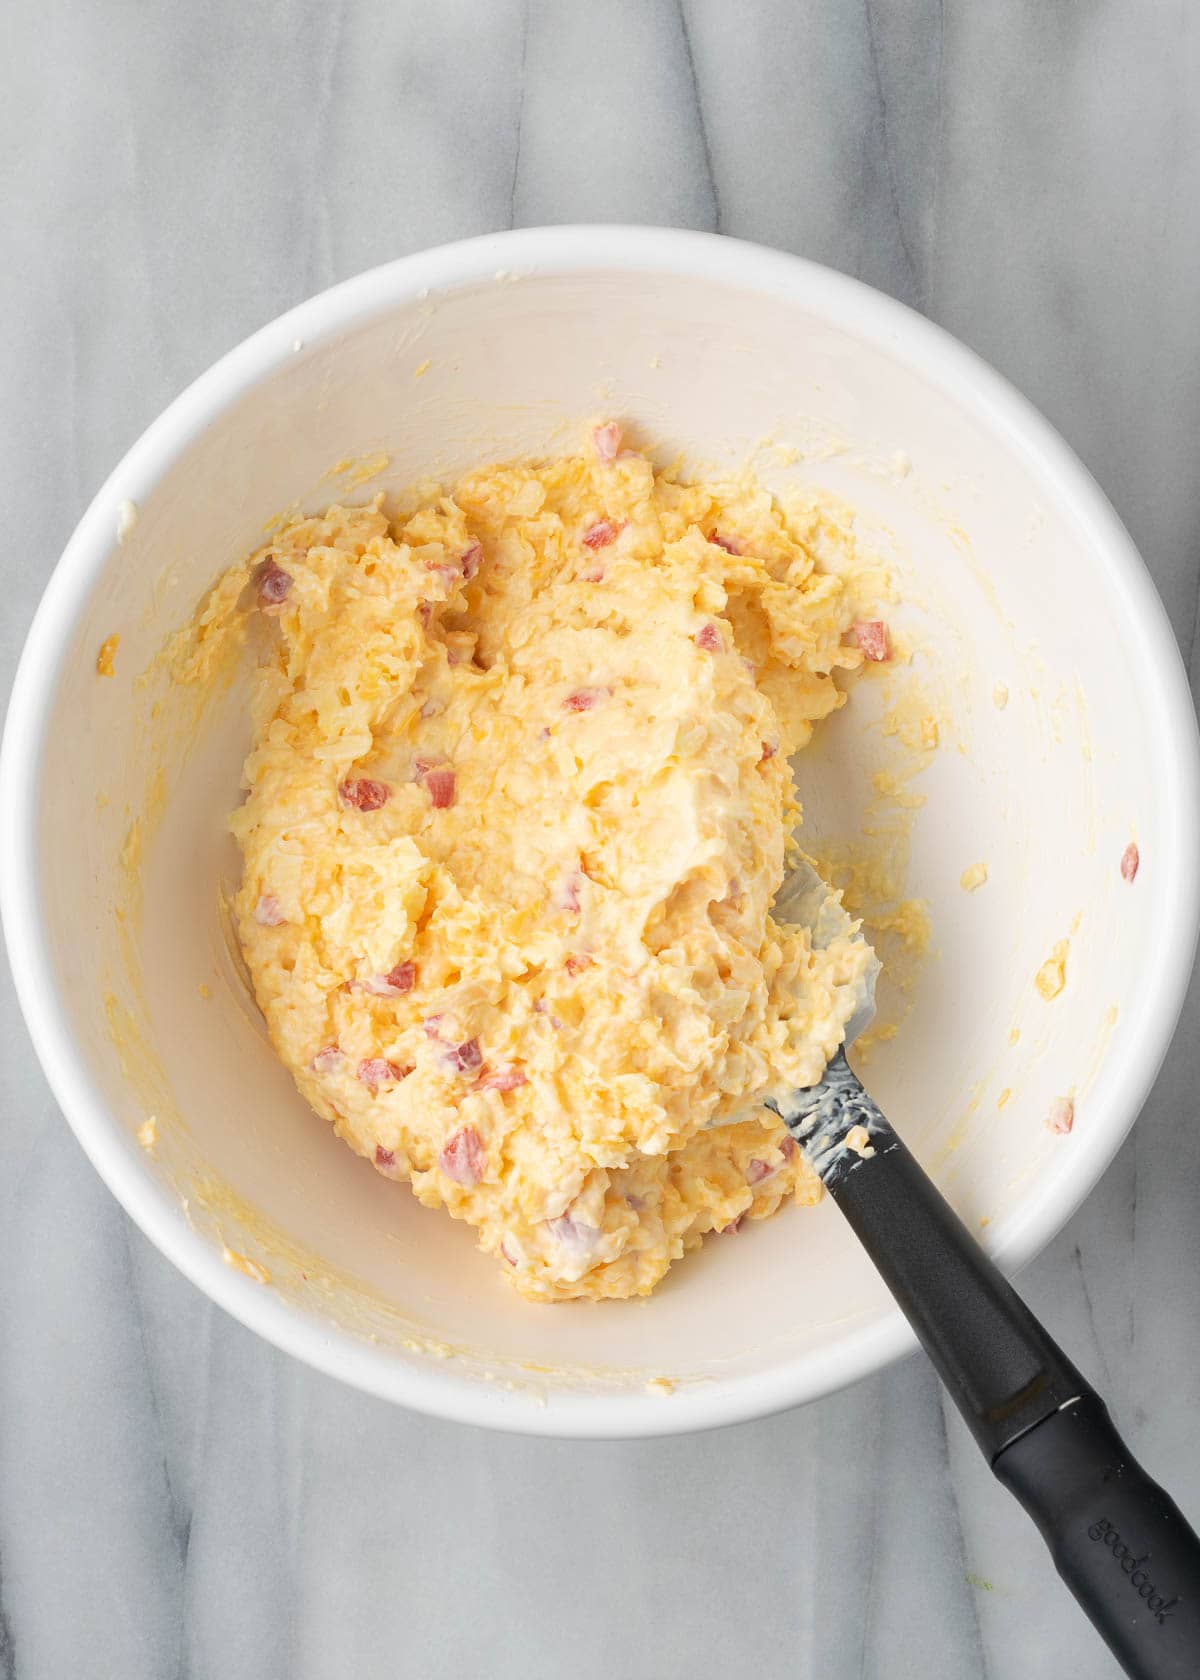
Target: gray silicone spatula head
808 901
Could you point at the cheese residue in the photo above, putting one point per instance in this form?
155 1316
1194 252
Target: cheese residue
858 1140
517 810
104 659
242 1263
357 470
127 518
973 877
1051 977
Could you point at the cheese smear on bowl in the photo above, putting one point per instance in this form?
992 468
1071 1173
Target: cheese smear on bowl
517 809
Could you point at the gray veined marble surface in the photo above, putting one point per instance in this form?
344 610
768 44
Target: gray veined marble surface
175 1497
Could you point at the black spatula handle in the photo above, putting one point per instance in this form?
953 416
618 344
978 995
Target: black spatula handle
1118 1540
1042 1428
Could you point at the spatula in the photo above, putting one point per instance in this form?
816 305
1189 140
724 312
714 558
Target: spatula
1118 1540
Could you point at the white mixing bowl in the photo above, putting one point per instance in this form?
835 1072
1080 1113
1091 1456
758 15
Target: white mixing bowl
1010 569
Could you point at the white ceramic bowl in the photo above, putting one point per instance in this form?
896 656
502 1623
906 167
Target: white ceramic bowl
1011 569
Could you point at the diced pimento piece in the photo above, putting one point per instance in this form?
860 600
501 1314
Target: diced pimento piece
585 699
757 1172
326 1059
425 613
572 1233
274 584
768 751
504 1079
873 639
566 894
394 983
384 1157
433 1025
1061 1116
594 574
576 964
447 574
1130 858
364 794
708 637
268 911
440 785
471 559
727 543
375 1071
463 1157
733 1227
600 534
788 1146
463 1058
606 441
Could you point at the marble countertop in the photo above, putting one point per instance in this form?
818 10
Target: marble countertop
180 1499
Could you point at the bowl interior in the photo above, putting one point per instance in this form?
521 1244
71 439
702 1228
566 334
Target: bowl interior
1000 582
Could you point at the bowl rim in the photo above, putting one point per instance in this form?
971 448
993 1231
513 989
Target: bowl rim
435 1388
